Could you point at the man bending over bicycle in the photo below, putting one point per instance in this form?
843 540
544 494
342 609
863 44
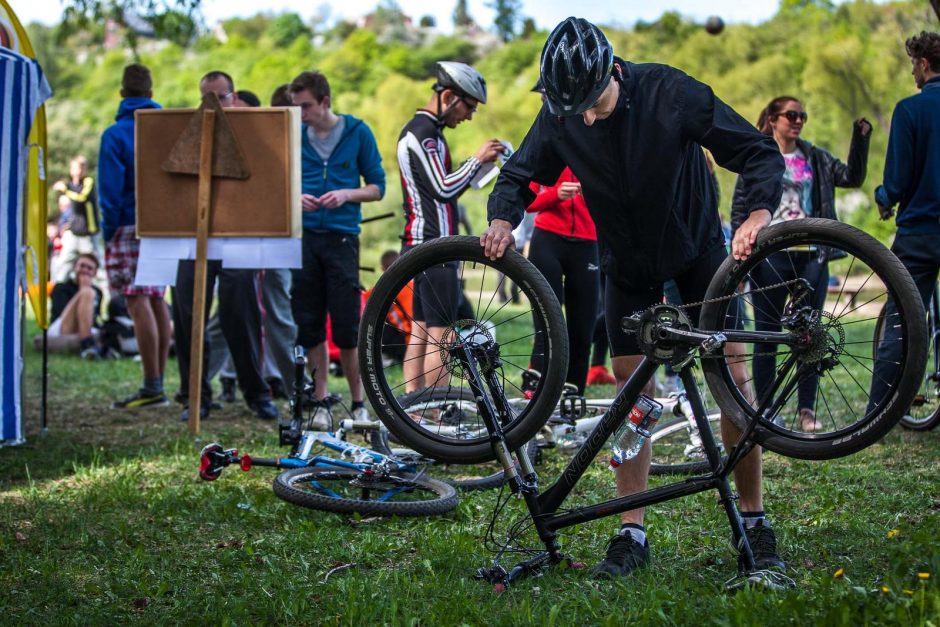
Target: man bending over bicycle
632 134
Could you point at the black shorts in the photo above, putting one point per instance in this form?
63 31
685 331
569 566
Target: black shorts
437 295
621 302
328 282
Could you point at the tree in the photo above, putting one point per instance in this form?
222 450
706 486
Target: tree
528 28
427 21
507 15
169 19
287 27
462 18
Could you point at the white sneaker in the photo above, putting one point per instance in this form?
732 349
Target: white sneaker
361 414
322 419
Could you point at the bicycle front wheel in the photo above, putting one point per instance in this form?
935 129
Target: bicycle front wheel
807 341
453 287
347 491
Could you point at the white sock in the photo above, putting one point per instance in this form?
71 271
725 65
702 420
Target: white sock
637 532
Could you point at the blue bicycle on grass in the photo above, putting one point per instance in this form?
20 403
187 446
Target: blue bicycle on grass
356 479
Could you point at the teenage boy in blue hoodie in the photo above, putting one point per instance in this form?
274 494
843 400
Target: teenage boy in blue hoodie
341 168
116 195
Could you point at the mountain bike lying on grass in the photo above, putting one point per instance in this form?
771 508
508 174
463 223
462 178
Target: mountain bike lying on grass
677 445
833 344
358 479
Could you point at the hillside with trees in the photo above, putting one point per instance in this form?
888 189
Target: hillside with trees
843 62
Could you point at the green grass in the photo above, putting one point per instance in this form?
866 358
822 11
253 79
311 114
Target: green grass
105 521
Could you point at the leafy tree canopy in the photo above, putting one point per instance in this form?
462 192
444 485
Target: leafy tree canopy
843 61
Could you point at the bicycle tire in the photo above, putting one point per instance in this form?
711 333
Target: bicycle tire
843 431
672 454
461 476
924 413
460 443
443 497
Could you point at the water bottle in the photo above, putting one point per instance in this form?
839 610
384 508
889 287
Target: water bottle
635 430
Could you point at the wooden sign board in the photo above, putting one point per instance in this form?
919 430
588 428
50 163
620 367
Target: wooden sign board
266 204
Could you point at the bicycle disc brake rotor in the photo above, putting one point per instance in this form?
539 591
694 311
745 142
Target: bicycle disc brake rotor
649 340
471 331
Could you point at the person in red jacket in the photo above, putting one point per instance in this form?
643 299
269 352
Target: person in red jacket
564 249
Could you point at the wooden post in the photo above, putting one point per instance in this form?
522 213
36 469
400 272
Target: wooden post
199 286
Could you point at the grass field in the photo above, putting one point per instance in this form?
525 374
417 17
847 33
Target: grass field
105 521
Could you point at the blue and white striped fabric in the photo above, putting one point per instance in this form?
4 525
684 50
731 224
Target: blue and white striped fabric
23 89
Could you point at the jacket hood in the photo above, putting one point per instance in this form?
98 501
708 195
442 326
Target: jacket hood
129 105
351 123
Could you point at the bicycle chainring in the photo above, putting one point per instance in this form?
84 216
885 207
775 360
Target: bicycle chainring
648 338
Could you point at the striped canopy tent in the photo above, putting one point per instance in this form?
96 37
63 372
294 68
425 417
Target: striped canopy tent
23 89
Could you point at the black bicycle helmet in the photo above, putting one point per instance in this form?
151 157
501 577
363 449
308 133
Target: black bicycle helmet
462 79
576 66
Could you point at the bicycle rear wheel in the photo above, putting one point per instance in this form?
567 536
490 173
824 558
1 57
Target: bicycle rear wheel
347 491
500 335
862 386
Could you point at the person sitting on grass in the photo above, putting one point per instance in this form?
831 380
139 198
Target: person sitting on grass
76 310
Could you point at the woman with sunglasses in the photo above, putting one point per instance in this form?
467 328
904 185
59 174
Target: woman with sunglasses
811 176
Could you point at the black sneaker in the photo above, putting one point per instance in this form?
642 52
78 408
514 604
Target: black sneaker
764 547
277 388
624 555
228 390
203 412
530 382
265 410
141 399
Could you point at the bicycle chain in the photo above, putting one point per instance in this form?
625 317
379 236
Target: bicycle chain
729 297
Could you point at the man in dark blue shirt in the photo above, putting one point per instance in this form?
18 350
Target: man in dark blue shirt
912 180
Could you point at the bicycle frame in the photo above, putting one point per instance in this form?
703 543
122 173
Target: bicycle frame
544 507
363 457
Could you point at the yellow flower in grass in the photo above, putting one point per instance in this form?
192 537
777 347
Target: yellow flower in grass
923 576
838 574
886 589
894 533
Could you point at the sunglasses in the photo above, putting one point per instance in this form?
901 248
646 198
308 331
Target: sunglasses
472 108
793 116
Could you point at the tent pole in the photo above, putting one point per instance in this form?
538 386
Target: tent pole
43 430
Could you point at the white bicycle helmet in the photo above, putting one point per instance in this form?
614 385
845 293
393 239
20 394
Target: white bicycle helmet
462 79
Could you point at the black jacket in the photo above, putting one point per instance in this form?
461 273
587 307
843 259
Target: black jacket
643 172
828 173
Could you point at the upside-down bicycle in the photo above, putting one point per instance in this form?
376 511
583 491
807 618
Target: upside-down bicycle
833 343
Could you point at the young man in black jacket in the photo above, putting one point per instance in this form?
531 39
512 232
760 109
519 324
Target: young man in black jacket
632 134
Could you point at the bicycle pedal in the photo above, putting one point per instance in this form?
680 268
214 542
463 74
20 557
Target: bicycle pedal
494 574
